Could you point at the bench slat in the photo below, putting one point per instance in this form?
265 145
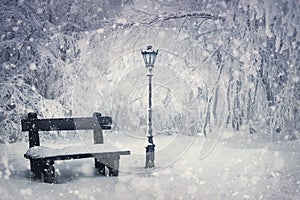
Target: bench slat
79 156
66 124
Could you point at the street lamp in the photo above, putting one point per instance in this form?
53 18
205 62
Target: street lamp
149 56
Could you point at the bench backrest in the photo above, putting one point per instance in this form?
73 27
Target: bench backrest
97 123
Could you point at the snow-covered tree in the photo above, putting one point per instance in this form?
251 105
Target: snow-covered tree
238 60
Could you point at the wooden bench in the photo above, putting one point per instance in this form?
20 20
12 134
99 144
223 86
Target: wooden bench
42 158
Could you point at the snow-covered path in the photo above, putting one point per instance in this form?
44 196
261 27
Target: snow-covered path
208 169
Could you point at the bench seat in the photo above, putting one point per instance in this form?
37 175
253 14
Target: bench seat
72 152
42 159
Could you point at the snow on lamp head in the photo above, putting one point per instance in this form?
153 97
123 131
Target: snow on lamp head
149 56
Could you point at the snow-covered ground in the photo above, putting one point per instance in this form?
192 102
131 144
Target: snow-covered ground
226 165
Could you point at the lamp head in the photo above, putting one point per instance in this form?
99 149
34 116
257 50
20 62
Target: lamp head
149 56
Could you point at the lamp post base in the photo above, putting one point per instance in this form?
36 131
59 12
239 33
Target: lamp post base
150 156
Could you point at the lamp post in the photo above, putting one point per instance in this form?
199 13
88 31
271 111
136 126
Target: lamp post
149 56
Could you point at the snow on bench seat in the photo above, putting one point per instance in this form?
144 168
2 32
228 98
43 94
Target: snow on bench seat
42 152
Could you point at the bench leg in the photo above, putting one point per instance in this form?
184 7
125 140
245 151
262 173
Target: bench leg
49 172
113 172
41 167
112 163
100 166
36 167
114 167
